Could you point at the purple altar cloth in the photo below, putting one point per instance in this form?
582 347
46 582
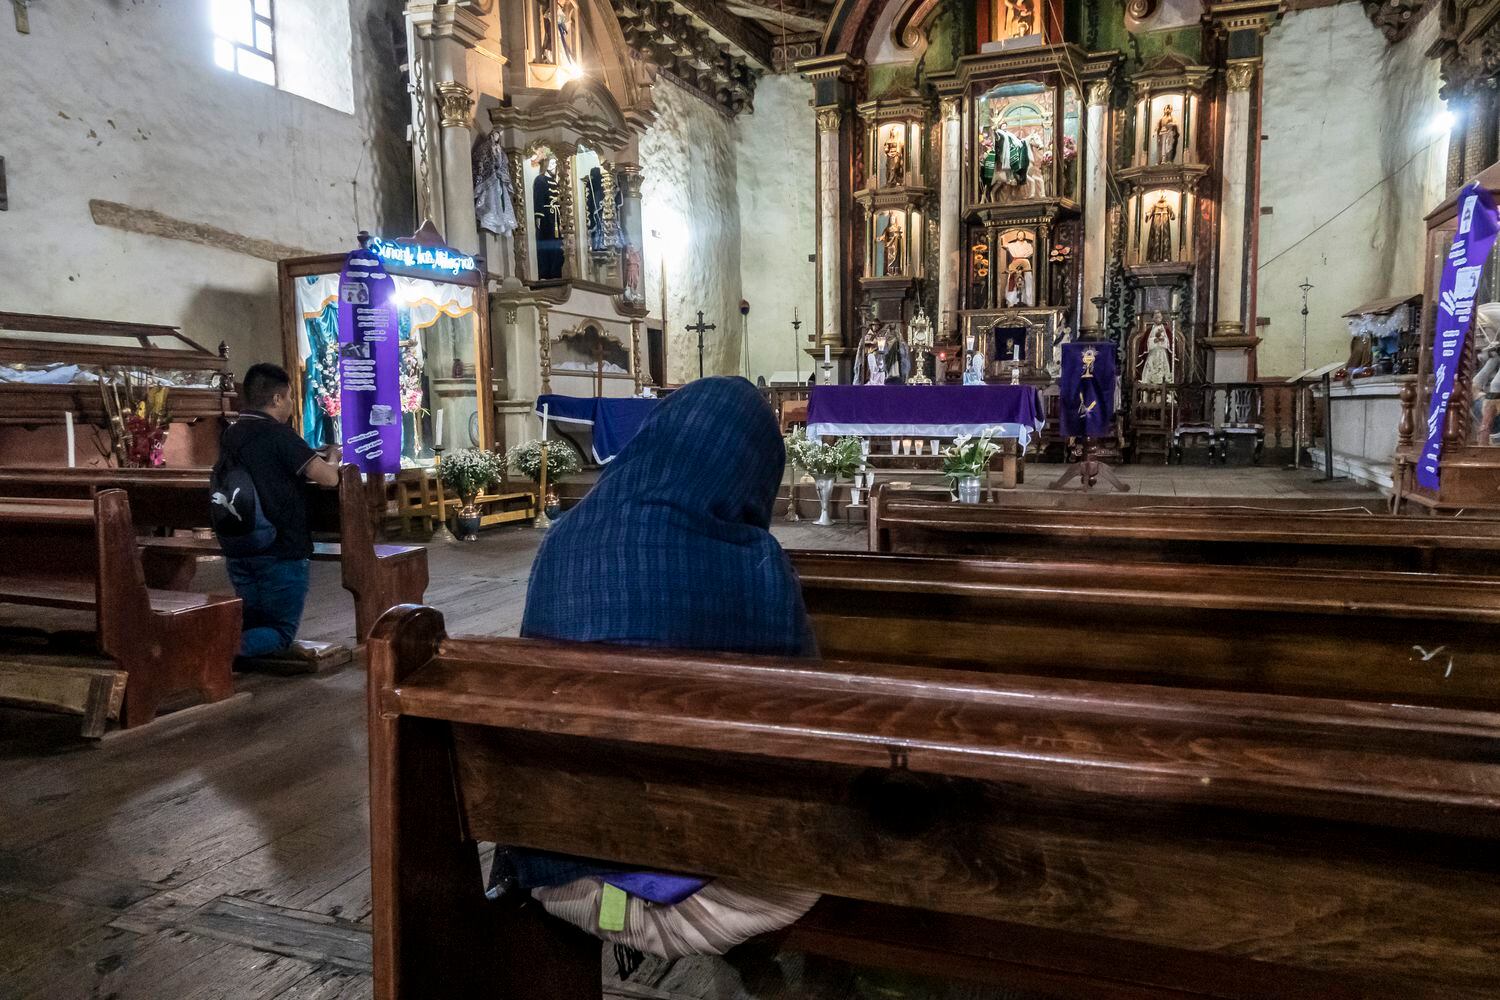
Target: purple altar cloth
941 411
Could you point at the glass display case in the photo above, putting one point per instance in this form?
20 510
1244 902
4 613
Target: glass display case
445 381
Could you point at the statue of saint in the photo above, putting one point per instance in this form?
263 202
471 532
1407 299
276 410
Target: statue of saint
895 164
546 210
567 21
1021 18
974 371
891 239
1159 232
546 30
1064 336
1007 160
1156 369
1167 136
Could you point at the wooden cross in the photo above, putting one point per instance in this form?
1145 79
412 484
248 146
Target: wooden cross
700 329
598 355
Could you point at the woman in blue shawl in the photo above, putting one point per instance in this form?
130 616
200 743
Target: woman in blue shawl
672 547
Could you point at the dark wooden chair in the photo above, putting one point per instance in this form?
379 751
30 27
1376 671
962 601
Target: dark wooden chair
1077 838
168 643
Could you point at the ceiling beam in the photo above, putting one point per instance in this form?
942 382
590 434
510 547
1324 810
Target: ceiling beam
798 15
747 36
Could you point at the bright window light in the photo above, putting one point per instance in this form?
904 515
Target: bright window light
244 38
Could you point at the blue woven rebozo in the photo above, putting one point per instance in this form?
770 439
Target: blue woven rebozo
671 548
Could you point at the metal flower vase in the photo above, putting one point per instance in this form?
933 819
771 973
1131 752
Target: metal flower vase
825 499
968 489
467 520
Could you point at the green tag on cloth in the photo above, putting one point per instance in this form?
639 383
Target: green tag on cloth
612 908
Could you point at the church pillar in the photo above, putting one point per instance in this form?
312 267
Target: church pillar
830 261
839 233
630 184
440 36
1095 206
456 104
949 206
1232 343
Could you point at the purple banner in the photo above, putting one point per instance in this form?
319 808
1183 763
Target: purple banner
369 365
1477 225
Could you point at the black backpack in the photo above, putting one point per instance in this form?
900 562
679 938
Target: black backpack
234 510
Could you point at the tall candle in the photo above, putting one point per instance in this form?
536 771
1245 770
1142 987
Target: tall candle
438 433
827 354
1015 352
546 409
68 416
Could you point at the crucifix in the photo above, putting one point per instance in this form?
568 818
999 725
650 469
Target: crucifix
598 356
700 329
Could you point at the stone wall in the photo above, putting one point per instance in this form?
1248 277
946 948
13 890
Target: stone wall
1355 144
775 156
688 201
122 104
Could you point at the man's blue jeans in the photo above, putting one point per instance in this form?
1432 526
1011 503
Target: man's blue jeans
274 591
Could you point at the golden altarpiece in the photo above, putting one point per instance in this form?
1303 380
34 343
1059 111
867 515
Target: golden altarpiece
1044 186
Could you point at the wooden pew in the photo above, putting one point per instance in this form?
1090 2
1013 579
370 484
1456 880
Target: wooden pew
378 576
1083 839
1411 637
901 522
166 642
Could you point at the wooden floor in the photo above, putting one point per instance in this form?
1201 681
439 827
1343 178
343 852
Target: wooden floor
223 852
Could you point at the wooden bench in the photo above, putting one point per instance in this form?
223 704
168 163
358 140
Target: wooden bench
1411 637
167 643
1078 838
378 576
907 524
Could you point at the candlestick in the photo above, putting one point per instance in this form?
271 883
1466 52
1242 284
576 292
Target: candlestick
68 416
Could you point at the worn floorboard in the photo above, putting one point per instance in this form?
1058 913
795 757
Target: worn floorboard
228 856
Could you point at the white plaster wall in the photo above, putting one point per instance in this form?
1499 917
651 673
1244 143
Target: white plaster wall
312 46
775 154
1351 127
688 197
122 102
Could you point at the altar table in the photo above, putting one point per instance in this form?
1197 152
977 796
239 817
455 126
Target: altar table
614 420
925 411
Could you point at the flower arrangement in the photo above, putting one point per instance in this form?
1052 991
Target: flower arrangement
470 471
562 460
969 456
138 419
838 460
411 376
326 387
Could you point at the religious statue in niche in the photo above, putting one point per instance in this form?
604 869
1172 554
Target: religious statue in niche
895 159
545 26
633 274
546 208
1158 363
1016 157
1020 275
892 240
1015 19
567 31
1159 231
1168 134
603 208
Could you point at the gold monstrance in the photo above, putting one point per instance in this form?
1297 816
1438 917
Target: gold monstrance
920 335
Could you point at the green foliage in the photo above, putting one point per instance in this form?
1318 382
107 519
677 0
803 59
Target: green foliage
839 460
469 471
562 460
969 456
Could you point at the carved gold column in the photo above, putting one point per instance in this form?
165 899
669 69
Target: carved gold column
830 260
456 109
950 204
1096 149
516 163
567 194
635 355
609 256
544 346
